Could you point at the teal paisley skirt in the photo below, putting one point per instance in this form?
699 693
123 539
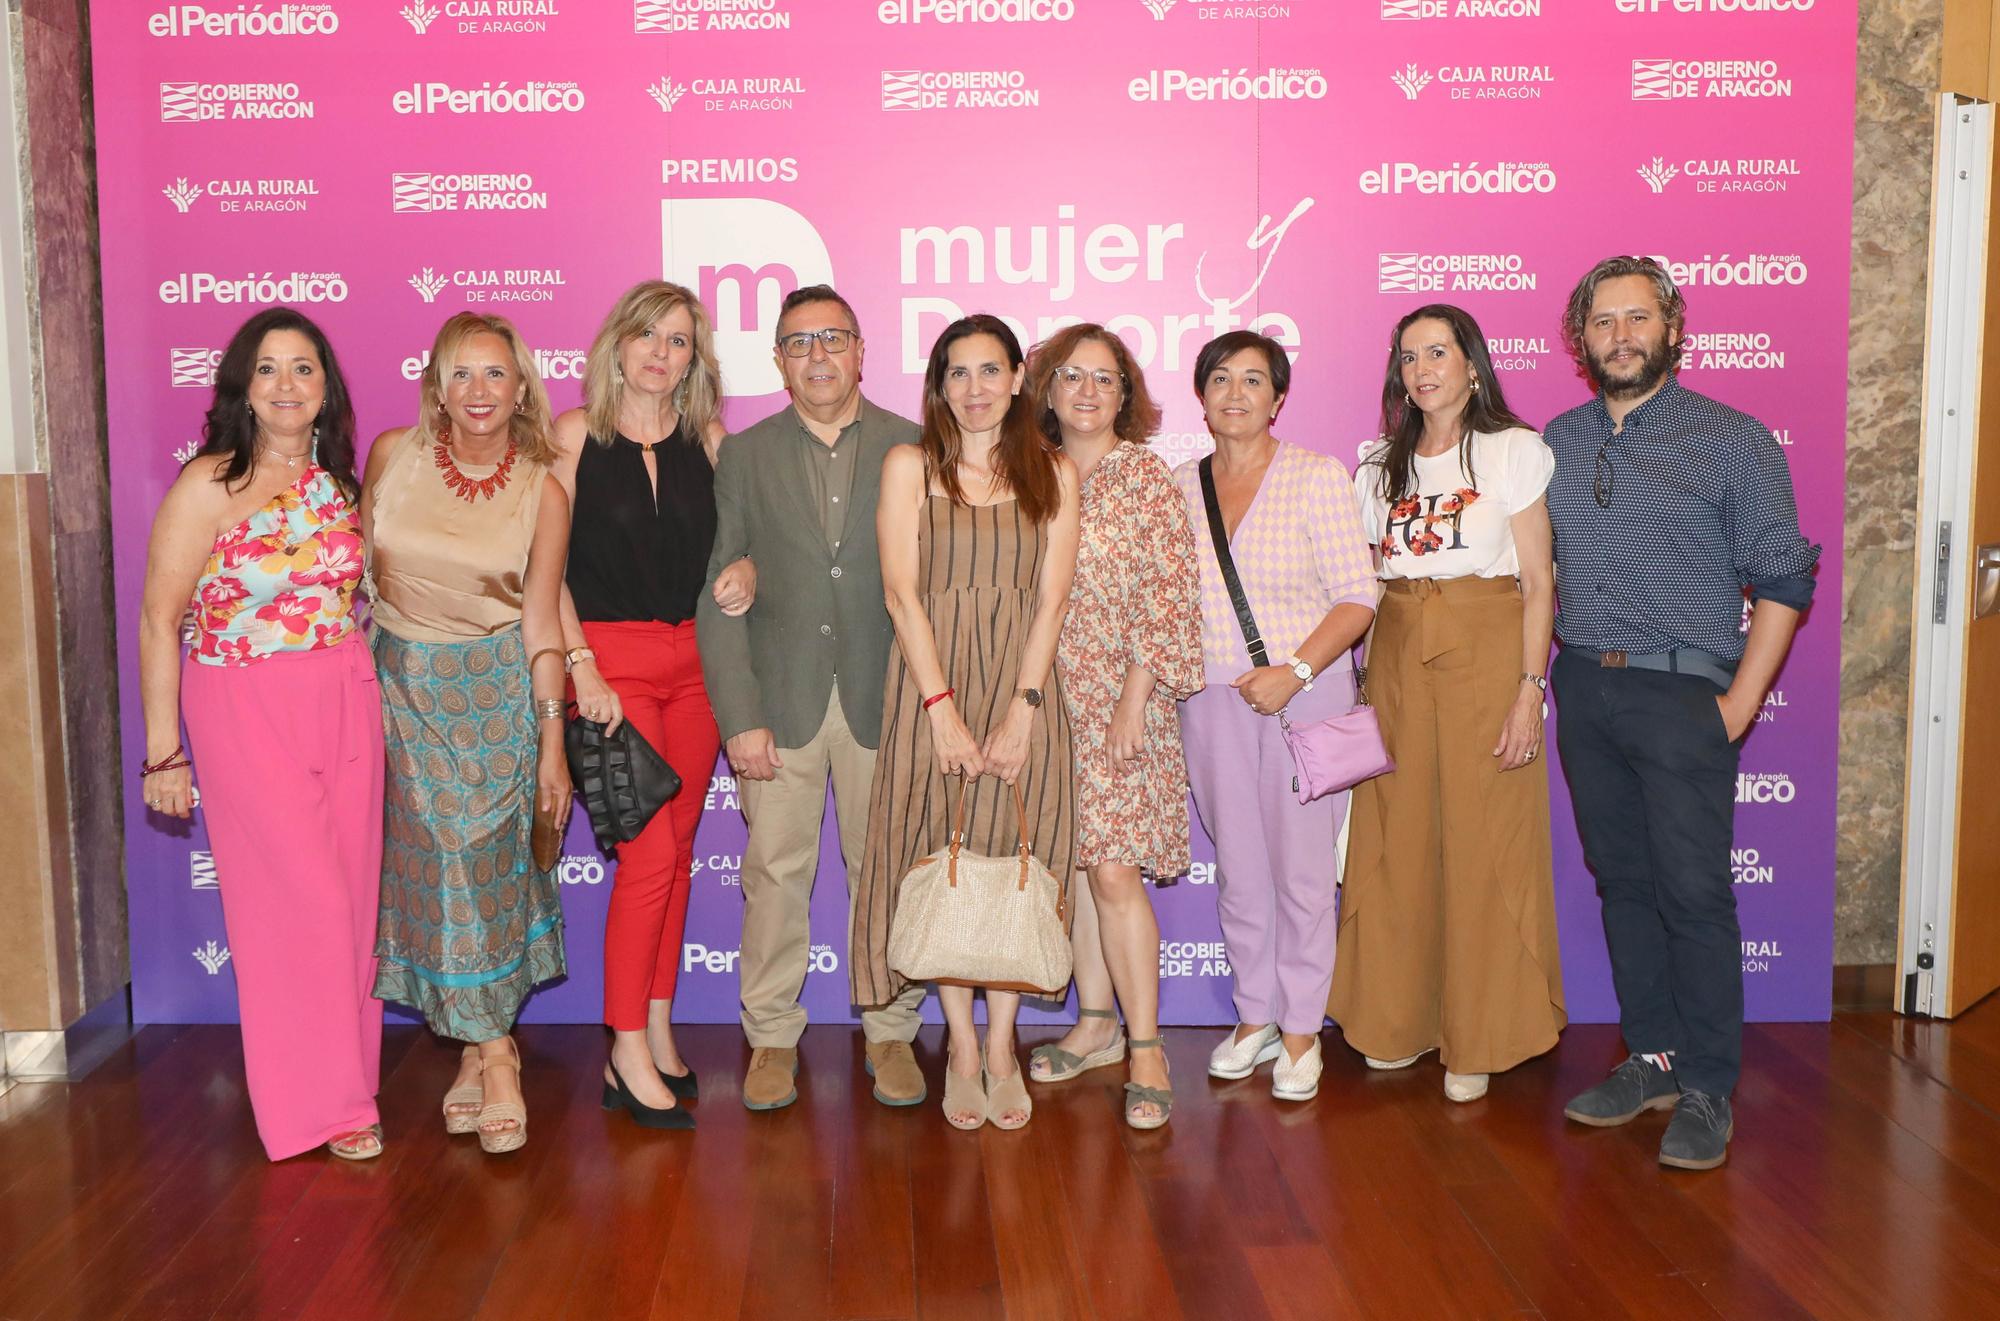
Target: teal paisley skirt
468 925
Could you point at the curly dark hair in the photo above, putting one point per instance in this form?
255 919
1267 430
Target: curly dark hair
231 429
1673 308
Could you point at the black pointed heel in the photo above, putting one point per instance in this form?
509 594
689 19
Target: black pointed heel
683 1085
617 1097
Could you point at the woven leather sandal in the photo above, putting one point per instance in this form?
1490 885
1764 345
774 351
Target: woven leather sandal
1137 1095
472 1094
499 1112
1060 1064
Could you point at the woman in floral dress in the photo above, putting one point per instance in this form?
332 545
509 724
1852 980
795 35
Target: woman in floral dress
1130 649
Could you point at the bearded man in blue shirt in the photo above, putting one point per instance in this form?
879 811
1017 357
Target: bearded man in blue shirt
1668 507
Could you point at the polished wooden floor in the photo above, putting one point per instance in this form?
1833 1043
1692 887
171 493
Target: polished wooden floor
1864 1182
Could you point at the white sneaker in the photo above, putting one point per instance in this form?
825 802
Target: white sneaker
1464 1086
1239 1059
1297 1080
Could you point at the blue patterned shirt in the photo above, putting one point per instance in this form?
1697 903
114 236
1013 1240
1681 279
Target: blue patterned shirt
1701 508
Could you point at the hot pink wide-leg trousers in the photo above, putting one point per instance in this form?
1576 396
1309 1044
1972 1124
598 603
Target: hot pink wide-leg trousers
288 757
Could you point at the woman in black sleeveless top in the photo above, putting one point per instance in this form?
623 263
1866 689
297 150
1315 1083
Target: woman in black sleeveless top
639 461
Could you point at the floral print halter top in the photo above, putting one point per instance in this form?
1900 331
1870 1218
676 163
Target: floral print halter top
283 579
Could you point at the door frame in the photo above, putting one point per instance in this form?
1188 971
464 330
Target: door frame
1961 218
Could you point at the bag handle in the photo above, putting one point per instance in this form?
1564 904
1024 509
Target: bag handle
1227 563
958 833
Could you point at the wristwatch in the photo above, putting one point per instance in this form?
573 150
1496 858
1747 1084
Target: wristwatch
1304 671
1540 681
1032 696
575 654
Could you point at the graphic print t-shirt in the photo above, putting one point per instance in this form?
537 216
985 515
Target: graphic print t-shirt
1455 526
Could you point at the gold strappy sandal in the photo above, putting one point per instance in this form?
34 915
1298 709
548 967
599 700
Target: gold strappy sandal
472 1094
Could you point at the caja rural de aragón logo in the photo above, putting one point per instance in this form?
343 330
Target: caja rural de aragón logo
481 17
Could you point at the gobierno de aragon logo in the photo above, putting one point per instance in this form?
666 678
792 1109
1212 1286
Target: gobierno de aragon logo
896 12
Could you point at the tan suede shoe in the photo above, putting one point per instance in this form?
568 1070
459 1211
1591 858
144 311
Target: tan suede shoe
768 1085
893 1066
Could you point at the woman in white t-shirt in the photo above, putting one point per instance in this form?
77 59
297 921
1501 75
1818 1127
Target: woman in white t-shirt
1447 912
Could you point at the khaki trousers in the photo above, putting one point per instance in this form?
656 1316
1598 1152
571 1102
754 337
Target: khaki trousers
779 865
1447 910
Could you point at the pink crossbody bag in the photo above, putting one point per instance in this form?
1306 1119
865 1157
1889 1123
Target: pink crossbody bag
1327 755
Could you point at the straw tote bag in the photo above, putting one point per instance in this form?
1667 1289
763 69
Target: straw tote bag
965 917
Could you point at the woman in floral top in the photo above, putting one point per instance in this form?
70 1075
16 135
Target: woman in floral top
256 554
1130 649
1448 913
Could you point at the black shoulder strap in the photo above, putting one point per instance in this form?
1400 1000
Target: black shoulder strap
1227 563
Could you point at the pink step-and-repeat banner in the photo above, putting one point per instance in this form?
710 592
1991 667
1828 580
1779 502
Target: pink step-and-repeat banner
1175 168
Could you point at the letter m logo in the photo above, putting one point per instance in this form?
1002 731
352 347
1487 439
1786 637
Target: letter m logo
742 255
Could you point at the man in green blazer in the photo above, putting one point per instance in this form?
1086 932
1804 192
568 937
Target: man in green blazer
796 683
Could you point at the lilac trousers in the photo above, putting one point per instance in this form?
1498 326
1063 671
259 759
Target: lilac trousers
288 756
1275 865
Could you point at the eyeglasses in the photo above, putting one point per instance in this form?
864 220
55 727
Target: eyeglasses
1602 479
835 339
1071 379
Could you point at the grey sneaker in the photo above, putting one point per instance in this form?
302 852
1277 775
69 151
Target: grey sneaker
1636 1085
1698 1137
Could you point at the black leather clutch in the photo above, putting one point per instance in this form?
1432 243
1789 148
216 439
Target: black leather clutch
621 779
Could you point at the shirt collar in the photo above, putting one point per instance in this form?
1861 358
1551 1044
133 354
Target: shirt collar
851 429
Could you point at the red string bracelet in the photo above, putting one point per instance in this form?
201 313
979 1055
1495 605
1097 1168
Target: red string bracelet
930 702
173 761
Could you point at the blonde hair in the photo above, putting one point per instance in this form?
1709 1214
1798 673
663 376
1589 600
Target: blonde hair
698 397
532 428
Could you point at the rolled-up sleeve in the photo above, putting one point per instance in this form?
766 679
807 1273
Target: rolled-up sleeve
1773 559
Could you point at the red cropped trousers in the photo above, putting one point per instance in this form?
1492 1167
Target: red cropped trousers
656 672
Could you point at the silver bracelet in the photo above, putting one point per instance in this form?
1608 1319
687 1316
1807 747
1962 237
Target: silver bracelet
548 708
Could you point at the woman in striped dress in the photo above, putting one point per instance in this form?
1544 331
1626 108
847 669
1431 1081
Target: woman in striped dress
978 533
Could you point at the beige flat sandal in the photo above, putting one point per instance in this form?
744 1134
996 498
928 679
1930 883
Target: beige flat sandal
472 1094
964 1096
500 1112
1009 1093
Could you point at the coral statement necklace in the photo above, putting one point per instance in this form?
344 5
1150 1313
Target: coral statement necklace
473 489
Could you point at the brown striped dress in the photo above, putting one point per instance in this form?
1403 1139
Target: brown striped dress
978 566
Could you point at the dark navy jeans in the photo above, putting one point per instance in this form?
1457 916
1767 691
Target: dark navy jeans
1652 775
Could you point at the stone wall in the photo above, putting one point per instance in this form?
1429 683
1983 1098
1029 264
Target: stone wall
1896 90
